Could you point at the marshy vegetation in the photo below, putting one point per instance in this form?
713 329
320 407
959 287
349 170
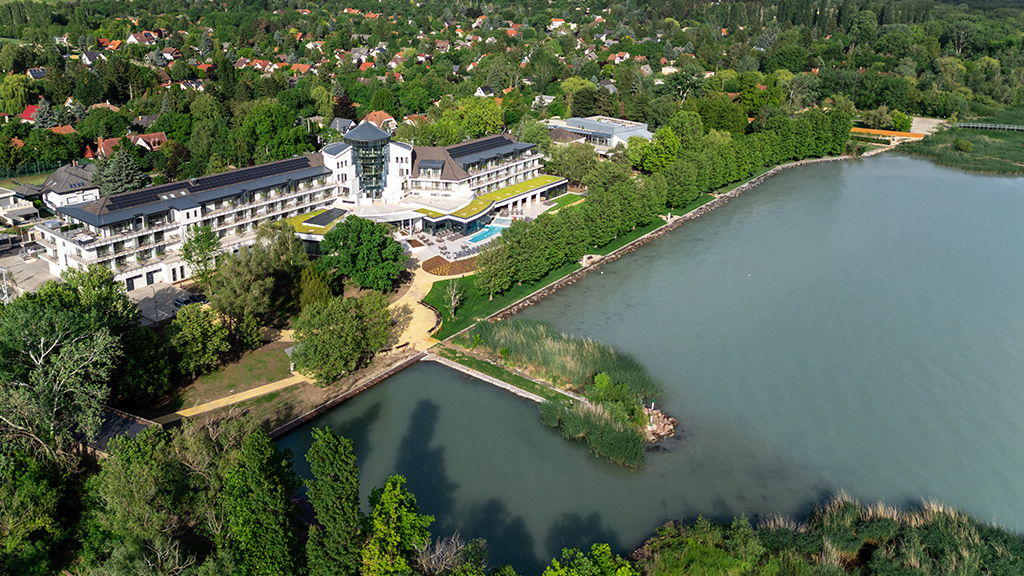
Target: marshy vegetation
615 385
563 360
996 151
619 442
841 537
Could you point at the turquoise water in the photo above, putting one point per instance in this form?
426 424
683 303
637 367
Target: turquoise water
486 233
853 325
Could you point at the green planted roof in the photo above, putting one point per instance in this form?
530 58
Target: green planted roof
430 213
297 222
485 201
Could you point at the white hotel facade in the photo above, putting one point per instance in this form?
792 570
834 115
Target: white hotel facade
139 234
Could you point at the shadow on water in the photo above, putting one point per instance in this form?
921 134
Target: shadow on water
508 539
424 467
358 431
576 531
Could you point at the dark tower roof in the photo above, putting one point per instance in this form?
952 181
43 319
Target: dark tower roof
366 132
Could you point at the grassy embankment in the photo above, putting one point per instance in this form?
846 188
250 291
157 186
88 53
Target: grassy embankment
500 373
614 384
998 151
476 306
841 537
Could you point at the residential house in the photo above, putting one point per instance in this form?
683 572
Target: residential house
382 120
36 73
342 125
148 142
89 57
484 92
69 184
170 53
145 37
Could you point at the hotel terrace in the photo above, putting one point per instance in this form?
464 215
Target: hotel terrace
139 234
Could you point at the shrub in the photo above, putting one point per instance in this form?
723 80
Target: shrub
963 144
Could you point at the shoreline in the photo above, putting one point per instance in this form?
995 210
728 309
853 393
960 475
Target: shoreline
544 292
658 232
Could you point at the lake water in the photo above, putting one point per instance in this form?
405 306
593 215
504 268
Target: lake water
852 325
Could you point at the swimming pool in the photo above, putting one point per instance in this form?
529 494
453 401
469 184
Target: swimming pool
503 222
486 233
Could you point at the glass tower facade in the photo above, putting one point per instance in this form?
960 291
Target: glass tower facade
370 156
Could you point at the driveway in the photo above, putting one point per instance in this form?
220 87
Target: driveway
156 301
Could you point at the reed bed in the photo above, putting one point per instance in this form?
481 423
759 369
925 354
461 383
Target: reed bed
841 537
608 438
563 360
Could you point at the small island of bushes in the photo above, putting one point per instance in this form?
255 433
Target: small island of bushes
613 385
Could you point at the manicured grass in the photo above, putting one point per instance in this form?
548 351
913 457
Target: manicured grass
256 368
565 200
700 201
500 373
477 306
627 238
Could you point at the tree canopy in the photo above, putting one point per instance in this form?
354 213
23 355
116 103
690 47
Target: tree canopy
364 251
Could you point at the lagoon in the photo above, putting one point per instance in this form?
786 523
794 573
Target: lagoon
851 325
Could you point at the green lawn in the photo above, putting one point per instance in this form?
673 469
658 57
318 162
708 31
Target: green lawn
476 306
700 201
500 373
627 238
256 368
565 200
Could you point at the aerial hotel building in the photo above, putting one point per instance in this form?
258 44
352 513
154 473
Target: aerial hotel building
139 234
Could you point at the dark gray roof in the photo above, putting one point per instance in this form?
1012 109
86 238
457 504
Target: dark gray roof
335 148
70 179
115 423
342 124
456 159
189 194
147 120
366 132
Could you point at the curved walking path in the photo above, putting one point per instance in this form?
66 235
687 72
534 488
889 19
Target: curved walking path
417 331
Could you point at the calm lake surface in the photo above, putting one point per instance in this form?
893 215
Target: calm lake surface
852 325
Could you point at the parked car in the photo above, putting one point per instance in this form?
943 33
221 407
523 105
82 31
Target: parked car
181 301
197 299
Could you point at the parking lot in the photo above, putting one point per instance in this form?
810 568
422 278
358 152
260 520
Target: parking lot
156 301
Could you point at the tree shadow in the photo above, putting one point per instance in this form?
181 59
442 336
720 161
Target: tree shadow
358 430
401 317
508 539
424 467
573 530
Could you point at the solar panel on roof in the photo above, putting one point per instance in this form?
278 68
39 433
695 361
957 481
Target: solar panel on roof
148 195
325 218
478 146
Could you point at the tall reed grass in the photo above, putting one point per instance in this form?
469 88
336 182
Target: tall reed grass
563 360
617 442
